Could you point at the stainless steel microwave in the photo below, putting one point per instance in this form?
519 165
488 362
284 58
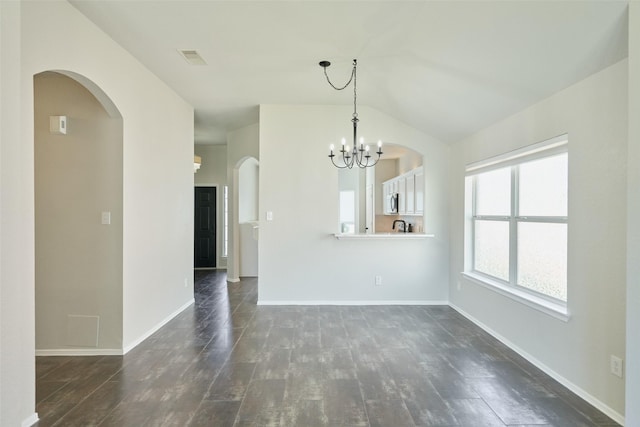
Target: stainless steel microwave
392 203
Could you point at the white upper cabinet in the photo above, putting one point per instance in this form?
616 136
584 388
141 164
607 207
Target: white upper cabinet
419 191
410 190
402 190
410 195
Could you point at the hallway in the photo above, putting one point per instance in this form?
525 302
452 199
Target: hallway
227 362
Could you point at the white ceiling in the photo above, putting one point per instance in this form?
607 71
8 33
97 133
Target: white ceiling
448 68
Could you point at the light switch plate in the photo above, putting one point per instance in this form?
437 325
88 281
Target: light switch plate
616 366
106 218
269 215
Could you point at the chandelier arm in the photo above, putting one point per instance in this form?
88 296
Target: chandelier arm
362 163
336 165
348 159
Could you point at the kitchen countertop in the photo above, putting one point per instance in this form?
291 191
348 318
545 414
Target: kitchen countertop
389 236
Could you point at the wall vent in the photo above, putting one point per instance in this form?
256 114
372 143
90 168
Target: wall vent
192 56
82 331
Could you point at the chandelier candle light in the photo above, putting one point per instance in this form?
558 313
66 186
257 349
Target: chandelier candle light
359 155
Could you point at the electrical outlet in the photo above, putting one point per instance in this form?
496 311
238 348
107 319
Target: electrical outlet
186 282
616 366
378 280
459 285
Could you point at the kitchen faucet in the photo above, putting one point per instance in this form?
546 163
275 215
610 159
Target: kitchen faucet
404 225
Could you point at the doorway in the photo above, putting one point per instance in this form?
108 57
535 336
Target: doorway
78 190
204 233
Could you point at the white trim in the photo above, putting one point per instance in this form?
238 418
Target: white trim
233 279
151 331
30 420
355 302
613 414
546 148
79 352
559 311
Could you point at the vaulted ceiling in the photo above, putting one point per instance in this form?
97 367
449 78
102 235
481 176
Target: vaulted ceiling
447 68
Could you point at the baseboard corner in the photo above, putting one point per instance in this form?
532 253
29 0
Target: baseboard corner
30 420
155 328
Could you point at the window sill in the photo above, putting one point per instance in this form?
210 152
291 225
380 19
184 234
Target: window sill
559 311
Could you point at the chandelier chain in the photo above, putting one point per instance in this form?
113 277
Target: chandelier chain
353 73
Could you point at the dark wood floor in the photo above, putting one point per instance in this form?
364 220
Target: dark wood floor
227 362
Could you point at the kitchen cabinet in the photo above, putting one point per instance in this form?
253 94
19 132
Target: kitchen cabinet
410 190
419 191
410 195
386 194
402 189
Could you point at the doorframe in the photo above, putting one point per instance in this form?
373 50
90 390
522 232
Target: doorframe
219 264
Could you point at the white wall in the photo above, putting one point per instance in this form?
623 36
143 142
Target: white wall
157 158
633 225
17 345
78 259
300 260
241 144
594 114
408 161
213 172
158 175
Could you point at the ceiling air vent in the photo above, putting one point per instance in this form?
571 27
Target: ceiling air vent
192 56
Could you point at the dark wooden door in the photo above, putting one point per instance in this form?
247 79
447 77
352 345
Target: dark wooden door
205 227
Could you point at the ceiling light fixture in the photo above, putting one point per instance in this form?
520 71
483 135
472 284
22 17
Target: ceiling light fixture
359 155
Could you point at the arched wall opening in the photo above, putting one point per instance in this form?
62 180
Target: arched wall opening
78 218
362 196
247 220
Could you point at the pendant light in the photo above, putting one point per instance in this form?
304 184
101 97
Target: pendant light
357 154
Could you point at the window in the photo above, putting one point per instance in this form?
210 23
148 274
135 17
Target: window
517 223
347 212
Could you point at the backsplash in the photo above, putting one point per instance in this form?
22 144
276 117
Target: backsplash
385 222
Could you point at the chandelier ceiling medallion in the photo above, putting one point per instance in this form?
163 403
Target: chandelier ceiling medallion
358 154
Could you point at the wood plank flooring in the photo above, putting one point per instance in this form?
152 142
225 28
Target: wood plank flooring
228 362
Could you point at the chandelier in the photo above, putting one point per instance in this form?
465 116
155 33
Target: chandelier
359 155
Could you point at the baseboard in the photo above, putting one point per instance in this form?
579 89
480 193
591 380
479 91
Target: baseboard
233 280
151 331
79 352
613 414
31 420
349 302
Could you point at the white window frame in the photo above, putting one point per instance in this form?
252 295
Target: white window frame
545 303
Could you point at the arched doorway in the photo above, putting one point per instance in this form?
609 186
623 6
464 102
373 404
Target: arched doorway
248 189
78 217
244 220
